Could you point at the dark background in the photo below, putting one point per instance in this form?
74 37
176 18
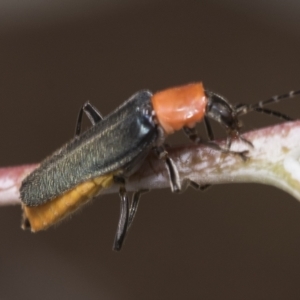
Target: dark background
231 242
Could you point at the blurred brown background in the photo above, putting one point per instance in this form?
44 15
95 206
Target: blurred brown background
231 242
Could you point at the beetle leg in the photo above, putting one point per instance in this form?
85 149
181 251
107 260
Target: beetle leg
192 134
209 130
123 220
126 215
134 205
228 142
173 175
245 141
171 168
91 112
197 186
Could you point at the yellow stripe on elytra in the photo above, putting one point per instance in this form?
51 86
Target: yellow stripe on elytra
42 216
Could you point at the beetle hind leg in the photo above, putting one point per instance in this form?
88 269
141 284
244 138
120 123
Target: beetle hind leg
127 214
123 220
134 205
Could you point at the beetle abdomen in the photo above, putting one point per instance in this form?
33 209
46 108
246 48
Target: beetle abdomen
41 217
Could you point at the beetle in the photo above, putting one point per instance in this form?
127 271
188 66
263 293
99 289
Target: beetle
115 146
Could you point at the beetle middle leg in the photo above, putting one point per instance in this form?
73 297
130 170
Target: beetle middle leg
134 205
174 177
171 168
193 134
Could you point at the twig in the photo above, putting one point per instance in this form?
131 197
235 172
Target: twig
10 182
274 160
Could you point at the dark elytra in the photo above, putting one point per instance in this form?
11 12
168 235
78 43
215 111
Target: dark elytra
118 143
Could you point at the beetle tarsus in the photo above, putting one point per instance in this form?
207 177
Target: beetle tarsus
242 154
193 136
201 187
246 141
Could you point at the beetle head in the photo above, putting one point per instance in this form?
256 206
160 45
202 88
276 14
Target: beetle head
220 110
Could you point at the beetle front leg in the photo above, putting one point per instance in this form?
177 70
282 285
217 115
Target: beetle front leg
196 139
193 136
209 130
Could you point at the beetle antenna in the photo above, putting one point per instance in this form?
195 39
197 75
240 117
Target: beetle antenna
244 109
